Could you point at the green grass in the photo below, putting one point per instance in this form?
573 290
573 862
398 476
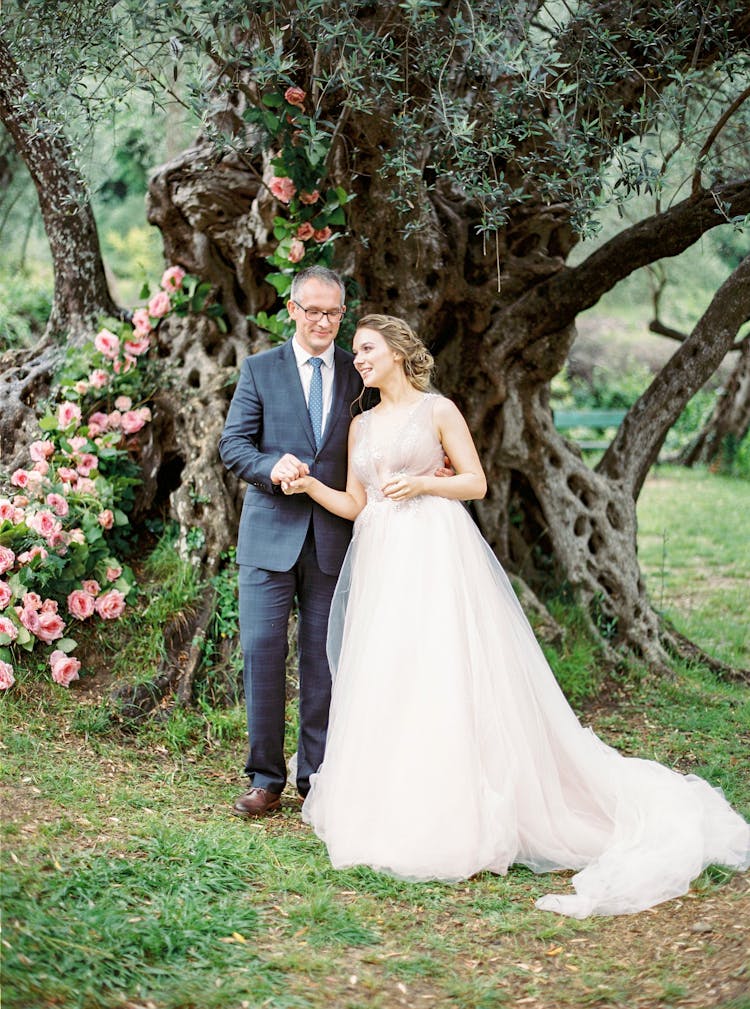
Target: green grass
694 531
128 884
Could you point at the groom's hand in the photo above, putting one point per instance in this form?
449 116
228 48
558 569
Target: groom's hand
446 469
288 468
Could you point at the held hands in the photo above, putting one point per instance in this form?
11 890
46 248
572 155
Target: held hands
401 487
288 468
299 486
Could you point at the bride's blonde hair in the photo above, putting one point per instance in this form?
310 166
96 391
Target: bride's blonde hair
402 340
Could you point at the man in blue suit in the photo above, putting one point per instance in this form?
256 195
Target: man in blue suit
290 416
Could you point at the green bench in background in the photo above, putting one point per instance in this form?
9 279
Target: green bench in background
596 421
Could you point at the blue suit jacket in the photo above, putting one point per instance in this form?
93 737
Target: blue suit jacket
268 417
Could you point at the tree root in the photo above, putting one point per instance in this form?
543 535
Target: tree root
684 648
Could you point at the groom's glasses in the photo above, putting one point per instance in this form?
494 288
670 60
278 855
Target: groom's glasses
315 314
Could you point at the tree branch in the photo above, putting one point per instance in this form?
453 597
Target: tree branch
718 127
642 432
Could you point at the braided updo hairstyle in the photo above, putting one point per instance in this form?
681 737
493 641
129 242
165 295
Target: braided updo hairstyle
402 340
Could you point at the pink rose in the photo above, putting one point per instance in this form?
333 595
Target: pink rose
138 347
111 605
78 442
20 478
80 604
49 606
106 519
20 501
107 344
295 96
7 559
8 627
28 555
67 414
141 321
7 679
144 413
41 450
305 231
98 378
29 618
123 402
81 388
41 467
114 419
282 188
91 586
86 486
76 536
124 366
50 627
86 462
64 668
9 512
58 504
97 424
113 573
31 601
44 523
67 475
172 278
159 305
5 595
132 422
322 235
309 198
296 251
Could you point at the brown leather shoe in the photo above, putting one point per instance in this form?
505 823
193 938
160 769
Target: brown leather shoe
257 802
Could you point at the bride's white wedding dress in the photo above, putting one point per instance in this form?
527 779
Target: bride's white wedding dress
451 748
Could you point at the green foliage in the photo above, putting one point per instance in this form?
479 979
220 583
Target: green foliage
25 305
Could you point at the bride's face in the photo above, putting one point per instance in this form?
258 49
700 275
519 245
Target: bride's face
373 358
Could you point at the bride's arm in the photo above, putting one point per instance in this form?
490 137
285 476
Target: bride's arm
345 503
469 482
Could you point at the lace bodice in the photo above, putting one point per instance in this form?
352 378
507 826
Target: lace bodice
410 445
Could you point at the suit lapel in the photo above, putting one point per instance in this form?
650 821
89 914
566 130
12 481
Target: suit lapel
297 394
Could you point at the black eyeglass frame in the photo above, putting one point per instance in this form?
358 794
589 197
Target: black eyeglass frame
318 313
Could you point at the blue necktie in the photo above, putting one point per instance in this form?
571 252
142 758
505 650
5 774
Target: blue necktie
315 402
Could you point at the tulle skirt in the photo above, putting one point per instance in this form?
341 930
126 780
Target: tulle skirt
452 750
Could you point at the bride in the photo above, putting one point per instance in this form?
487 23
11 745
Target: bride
451 749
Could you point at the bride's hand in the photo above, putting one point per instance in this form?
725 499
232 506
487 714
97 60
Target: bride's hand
298 486
401 488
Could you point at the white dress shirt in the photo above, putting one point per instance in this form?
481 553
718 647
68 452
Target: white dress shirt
305 375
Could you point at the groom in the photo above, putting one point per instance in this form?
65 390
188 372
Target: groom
290 416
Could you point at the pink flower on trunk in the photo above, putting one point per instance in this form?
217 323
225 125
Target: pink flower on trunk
80 604
159 305
64 668
113 573
305 231
123 403
7 559
144 413
41 450
78 442
107 344
9 512
86 463
86 486
295 96
91 586
7 679
113 420
5 595
98 378
67 475
296 251
50 627
29 618
44 523
282 188
138 347
8 627
123 366
97 424
322 234
309 198
172 278
68 414
106 519
141 321
58 504
31 601
110 605
20 478
41 467
132 422
49 606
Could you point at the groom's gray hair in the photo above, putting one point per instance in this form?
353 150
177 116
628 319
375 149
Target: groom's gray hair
321 273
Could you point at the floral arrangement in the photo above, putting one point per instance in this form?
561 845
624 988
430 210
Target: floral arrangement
64 516
305 233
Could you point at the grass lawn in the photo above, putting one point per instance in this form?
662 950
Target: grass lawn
127 884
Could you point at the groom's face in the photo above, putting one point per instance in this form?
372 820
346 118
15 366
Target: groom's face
316 337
